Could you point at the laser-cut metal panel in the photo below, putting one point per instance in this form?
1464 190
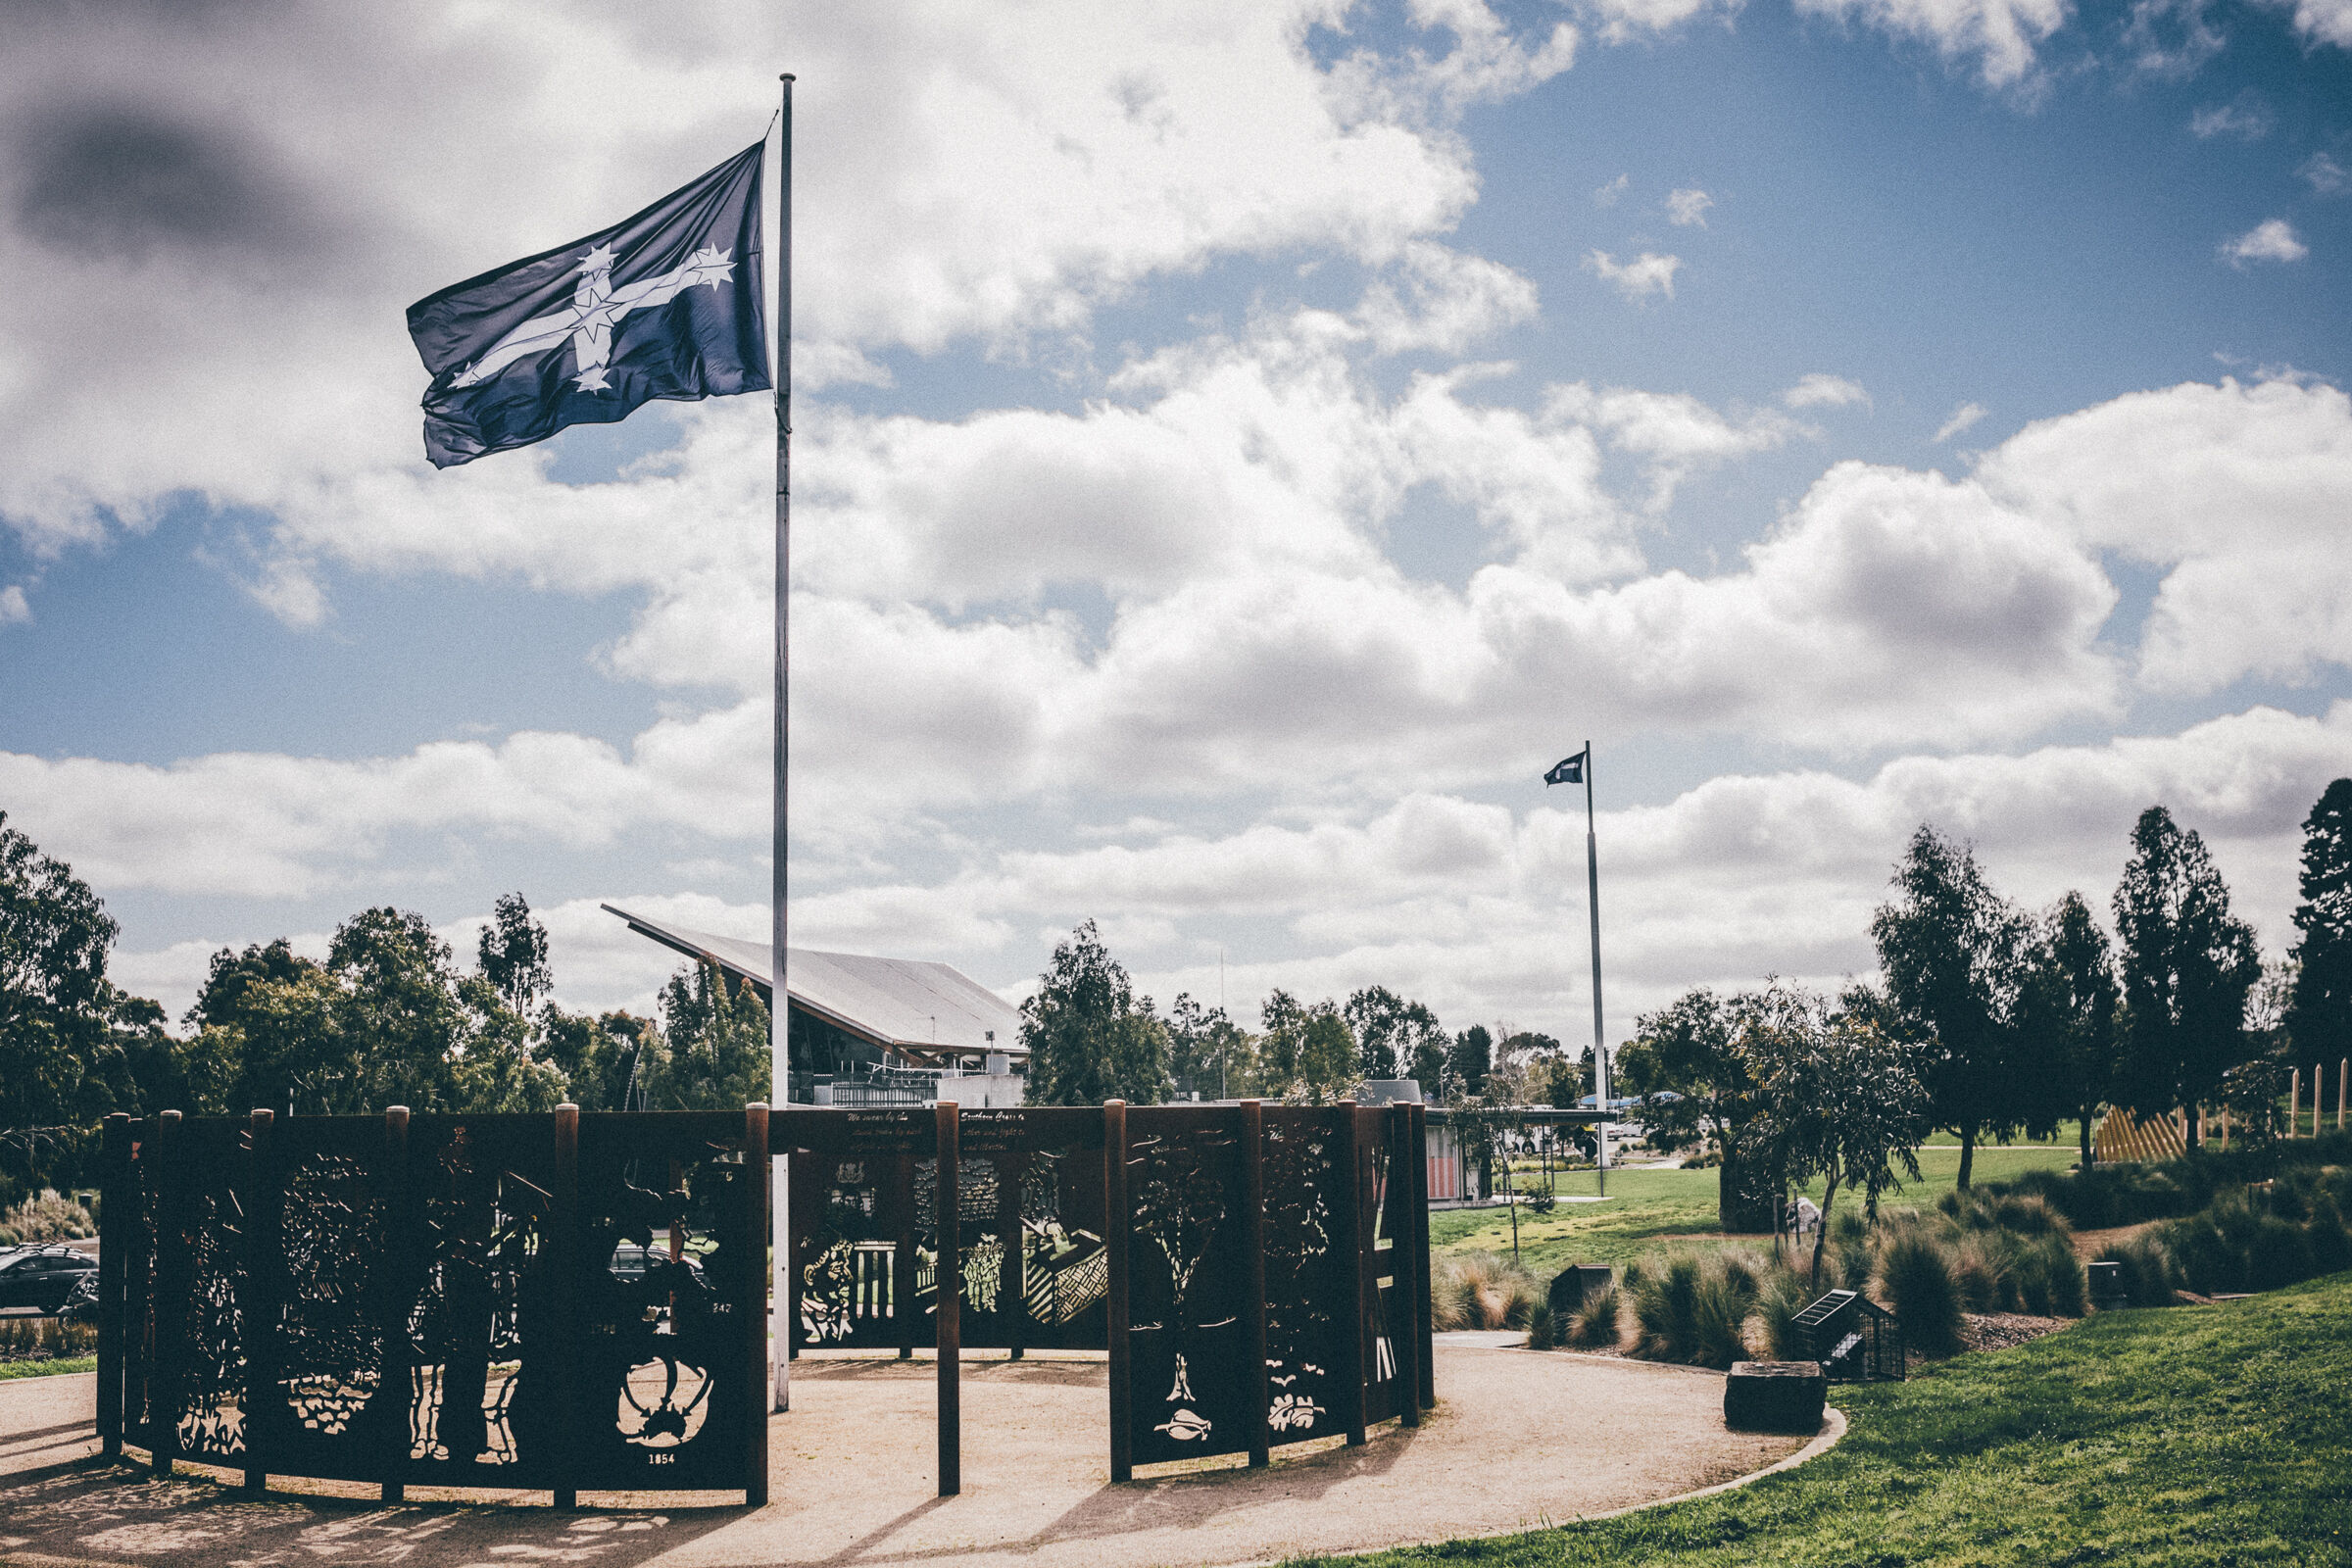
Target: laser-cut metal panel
138 1238
1047 1162
483 1400
662 1387
334 1408
1194 1389
1310 1246
202 1197
846 1225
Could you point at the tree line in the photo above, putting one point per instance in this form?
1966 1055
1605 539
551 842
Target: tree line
389 1017
2011 1022
1091 1038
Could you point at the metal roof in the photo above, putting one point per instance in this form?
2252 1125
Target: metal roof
909 1005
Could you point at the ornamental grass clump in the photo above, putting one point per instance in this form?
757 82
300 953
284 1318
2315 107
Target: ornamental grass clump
2144 1269
48 1218
1916 1273
1596 1325
1481 1290
1783 1294
2050 1282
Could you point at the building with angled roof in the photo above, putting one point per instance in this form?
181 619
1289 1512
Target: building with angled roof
864 1030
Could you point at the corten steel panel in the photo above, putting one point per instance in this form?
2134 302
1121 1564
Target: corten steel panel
477 1278
849 1232
115 1200
1192 1388
661 1383
1310 1253
848 1214
333 1402
201 1322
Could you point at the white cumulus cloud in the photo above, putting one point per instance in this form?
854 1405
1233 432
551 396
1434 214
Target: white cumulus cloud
1688 207
1646 275
2272 240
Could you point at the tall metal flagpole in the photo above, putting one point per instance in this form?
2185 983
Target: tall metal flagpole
780 1008
1600 1058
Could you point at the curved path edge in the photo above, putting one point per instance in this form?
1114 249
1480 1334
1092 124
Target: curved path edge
1833 1428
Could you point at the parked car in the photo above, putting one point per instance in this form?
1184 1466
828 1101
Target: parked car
42 1277
631 1261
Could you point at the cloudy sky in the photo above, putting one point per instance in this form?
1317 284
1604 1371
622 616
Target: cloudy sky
1242 444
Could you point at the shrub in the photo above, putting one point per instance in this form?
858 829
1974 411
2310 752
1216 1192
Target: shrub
40 1339
1666 1308
1915 1273
2276 1254
1595 1324
1719 1308
2147 1270
1542 1203
1985 1271
1481 1290
2050 1280
1783 1296
1543 1329
49 1218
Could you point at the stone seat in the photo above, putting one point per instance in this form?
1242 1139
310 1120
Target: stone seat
1775 1395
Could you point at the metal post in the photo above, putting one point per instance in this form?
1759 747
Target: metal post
779 1023
1425 1324
754 1284
263 1257
171 1290
1403 1322
1253 1241
1115 1234
392 1309
902 1255
1359 1264
564 1227
115 1201
948 1294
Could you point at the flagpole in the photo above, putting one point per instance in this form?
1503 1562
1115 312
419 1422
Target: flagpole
1600 1060
779 1035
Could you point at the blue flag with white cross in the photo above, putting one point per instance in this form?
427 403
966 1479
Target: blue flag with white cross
663 304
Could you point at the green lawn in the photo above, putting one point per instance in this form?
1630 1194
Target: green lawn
1645 1204
44 1369
2190 1436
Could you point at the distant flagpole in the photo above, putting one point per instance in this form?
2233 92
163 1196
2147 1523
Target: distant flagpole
779 1035
1600 1058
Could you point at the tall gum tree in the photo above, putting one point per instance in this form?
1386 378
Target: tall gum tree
2187 966
2319 1010
1953 953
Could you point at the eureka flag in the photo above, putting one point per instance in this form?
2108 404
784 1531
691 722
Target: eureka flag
666 305
1567 771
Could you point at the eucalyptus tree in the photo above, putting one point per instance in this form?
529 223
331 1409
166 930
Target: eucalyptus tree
2319 1013
1090 1037
1953 952
2188 965
1843 1100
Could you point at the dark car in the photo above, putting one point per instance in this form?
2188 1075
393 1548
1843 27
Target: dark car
42 1277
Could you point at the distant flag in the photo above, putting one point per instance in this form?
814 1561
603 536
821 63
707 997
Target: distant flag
666 305
1568 770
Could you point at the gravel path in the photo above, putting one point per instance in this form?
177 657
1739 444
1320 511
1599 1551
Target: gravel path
854 1481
